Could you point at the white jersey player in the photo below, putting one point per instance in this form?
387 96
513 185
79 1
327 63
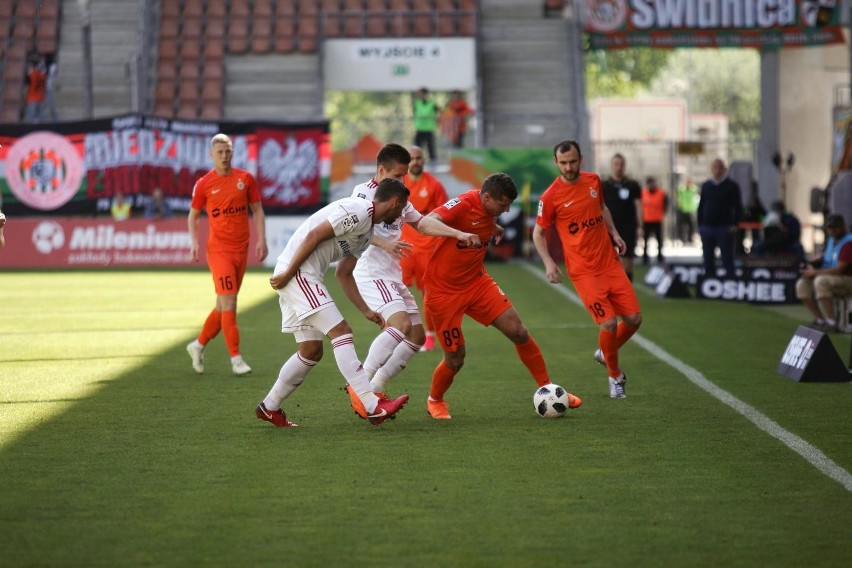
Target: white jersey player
340 231
379 276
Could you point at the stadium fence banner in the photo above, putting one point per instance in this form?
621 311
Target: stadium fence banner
73 168
68 242
619 24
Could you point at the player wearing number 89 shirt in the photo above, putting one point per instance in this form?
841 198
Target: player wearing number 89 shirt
340 231
379 277
459 285
591 244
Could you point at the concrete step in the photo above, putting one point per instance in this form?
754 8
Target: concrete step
270 112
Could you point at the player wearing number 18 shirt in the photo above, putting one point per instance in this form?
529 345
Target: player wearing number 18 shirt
459 285
574 203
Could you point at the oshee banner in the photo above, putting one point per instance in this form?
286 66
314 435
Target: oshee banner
764 24
77 167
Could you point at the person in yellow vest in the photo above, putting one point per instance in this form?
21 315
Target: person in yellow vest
120 208
655 203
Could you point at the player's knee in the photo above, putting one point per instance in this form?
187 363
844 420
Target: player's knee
610 325
311 350
633 320
520 334
342 328
416 335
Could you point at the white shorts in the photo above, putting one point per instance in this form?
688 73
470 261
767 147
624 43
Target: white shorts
307 309
388 297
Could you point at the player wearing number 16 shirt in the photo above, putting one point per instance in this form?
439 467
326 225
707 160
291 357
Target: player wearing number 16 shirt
459 285
228 194
340 231
591 244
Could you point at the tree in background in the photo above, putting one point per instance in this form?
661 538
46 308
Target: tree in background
622 73
716 80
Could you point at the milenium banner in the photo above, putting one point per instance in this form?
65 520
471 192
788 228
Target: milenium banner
763 24
77 167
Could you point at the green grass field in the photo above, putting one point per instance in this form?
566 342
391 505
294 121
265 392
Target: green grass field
114 453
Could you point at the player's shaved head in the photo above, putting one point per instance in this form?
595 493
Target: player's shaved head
500 186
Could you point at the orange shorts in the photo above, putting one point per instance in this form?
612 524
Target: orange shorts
414 268
482 301
608 295
228 269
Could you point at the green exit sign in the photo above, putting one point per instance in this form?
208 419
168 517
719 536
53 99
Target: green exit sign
400 70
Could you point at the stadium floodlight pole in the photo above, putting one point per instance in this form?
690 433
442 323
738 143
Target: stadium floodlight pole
86 29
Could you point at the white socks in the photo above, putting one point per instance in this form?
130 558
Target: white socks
291 375
381 349
394 365
353 371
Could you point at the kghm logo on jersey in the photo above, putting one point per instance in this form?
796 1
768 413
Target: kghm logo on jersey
586 224
239 210
44 170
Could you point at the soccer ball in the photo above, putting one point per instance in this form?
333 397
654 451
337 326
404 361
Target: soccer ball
550 401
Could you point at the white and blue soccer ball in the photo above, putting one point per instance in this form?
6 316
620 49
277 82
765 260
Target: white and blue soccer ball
550 401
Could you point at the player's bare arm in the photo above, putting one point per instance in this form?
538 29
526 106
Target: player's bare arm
192 224
499 231
315 236
343 272
260 226
434 226
552 271
400 249
617 241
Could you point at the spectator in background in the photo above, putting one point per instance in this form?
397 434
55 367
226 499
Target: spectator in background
623 198
655 203
51 86
425 112
753 214
121 207
2 224
456 113
719 210
830 278
157 206
36 86
782 233
687 205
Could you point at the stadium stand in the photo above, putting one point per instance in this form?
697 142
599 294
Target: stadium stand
28 29
198 34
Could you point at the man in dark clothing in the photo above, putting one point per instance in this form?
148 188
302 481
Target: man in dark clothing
719 211
623 198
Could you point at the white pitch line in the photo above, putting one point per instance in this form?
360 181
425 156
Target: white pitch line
809 452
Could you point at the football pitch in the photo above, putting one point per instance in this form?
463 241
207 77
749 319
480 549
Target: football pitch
113 452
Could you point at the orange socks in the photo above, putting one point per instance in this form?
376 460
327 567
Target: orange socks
211 328
442 379
532 358
231 332
608 340
624 332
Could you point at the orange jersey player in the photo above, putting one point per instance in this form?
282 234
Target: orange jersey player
591 245
427 194
459 285
228 194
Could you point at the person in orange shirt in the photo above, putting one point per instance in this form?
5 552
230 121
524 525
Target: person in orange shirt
459 285
228 194
655 203
36 88
591 245
458 112
427 194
